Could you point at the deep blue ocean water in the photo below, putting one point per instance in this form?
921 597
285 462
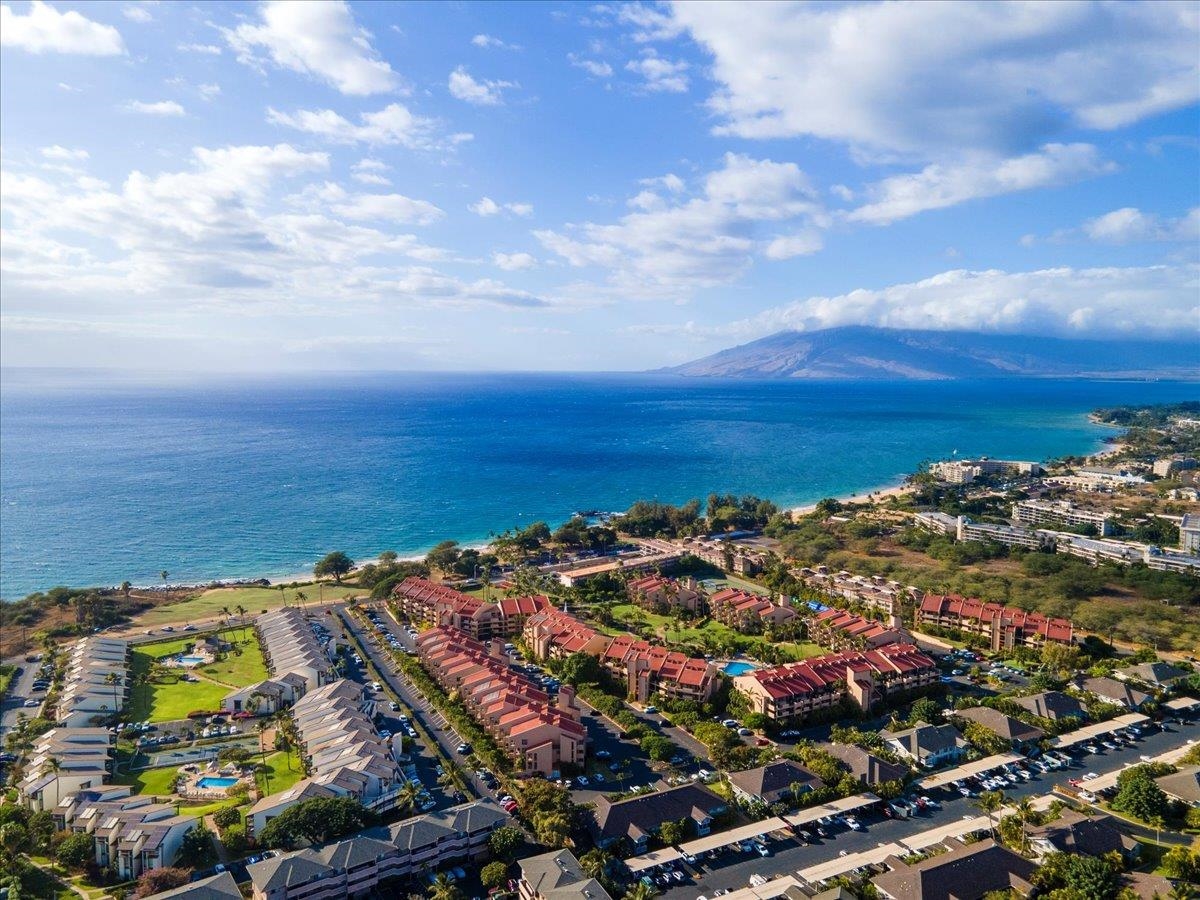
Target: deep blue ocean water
104 480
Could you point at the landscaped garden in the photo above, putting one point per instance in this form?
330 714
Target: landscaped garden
254 600
709 634
160 694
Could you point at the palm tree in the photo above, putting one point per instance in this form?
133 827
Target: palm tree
301 597
242 618
164 574
114 679
595 862
443 888
408 795
126 587
1157 822
640 891
989 802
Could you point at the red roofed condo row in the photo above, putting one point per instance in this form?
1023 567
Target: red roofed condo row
421 600
646 668
839 629
539 734
1005 626
748 612
796 690
659 594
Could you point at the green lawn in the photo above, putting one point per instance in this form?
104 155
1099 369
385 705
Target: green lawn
200 810
150 781
169 700
665 627
255 599
281 777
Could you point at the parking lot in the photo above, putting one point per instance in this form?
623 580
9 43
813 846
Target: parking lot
731 869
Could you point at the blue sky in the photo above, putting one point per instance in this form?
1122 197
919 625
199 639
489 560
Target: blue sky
289 186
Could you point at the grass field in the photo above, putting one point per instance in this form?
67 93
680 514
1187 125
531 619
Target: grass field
150 781
169 700
281 777
665 627
255 599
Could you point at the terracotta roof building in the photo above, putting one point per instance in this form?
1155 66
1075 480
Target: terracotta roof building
838 629
1005 626
796 690
748 612
654 592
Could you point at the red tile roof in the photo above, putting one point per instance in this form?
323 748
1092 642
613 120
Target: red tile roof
821 672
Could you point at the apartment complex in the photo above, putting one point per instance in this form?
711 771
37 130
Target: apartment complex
1060 512
646 668
539 734
357 866
872 591
747 612
639 818
838 629
132 833
975 870
557 876
64 761
1189 533
964 471
654 592
292 645
1017 733
1005 626
421 600
344 753
96 684
650 559
1008 535
927 745
1170 466
797 690
726 555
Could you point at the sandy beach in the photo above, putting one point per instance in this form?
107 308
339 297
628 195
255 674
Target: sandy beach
873 496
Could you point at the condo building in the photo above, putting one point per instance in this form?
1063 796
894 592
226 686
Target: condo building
1005 626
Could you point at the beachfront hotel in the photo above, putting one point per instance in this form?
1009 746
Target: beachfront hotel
1060 512
647 669
541 735
421 600
794 691
1004 626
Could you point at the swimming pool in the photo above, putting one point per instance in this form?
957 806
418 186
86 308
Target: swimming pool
210 782
738 668
190 660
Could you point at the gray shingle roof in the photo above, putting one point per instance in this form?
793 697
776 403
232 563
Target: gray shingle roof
773 777
558 876
218 887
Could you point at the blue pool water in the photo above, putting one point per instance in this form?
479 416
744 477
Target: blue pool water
211 782
191 660
103 480
738 668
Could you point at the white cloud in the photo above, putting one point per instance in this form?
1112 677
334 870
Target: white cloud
660 74
803 243
1131 225
669 248
446 290
938 186
208 91
1063 301
649 23
370 171
486 206
489 42
930 80
64 154
137 14
596 68
513 262
45 30
480 93
386 207
321 40
166 108
205 49
523 210
393 125
670 181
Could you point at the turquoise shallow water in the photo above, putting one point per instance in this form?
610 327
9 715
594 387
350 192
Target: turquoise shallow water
102 481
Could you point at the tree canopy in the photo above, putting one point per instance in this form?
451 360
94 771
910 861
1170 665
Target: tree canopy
336 564
316 821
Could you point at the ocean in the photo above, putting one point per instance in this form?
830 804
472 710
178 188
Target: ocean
104 479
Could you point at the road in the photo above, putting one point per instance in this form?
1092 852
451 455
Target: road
20 690
733 870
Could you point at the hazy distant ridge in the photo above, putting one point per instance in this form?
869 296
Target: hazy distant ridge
866 352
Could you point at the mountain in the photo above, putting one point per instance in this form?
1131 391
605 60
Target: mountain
866 352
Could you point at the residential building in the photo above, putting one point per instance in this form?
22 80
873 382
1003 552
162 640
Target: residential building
937 522
646 668
752 613
132 833
1189 533
1077 832
782 780
1053 705
1060 512
421 600
965 873
726 554
1170 466
872 591
1183 785
1098 550
515 612
1017 733
357 866
646 561
96 682
656 593
1008 535
541 735
836 628
1110 690
1156 674
868 768
215 887
64 761
639 818
264 698
1005 626
927 745
964 471
557 876
797 690
292 645
1114 475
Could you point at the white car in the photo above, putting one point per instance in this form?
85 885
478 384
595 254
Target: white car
1090 776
